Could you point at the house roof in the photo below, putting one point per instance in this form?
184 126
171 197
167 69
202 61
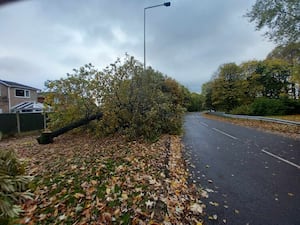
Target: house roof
16 85
28 106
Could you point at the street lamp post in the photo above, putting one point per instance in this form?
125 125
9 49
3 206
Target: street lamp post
149 7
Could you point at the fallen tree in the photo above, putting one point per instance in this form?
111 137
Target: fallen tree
47 137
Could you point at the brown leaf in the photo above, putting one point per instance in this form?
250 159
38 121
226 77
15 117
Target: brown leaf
78 195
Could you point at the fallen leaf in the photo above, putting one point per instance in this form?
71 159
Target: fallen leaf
78 195
149 204
62 217
197 208
124 196
94 182
209 190
73 167
204 194
213 217
78 208
214 203
108 190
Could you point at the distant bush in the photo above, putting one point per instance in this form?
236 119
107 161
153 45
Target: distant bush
242 110
13 186
281 106
267 107
291 106
195 102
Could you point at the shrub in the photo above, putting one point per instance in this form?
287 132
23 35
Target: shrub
13 186
268 107
242 110
292 106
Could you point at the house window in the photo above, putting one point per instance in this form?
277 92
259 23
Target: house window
22 93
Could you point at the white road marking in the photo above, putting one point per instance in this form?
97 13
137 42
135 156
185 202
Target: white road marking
204 124
282 159
222 132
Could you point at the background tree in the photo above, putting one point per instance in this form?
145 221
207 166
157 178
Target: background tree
250 85
291 54
281 17
196 102
274 77
257 87
226 93
206 91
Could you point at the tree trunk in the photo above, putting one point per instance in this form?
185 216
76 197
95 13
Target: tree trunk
47 137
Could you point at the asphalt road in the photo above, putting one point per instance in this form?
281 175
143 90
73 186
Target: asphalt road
252 177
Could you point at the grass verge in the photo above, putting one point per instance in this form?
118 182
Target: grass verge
292 131
287 117
84 180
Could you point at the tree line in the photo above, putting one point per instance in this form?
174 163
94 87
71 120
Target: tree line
257 87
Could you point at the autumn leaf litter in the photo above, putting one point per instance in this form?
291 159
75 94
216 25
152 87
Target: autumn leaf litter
80 179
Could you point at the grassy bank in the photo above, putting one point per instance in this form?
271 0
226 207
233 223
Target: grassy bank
287 117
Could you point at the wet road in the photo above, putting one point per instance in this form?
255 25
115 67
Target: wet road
252 177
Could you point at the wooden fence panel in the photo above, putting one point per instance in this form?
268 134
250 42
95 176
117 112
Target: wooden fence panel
12 123
8 123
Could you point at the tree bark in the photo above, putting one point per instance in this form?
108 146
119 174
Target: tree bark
47 137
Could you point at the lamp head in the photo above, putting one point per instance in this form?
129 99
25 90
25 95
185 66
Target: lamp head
167 4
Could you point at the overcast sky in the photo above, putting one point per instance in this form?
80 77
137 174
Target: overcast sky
45 39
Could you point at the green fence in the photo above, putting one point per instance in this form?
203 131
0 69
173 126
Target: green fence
12 123
8 123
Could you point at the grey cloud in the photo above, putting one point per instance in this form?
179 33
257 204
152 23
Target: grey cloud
187 41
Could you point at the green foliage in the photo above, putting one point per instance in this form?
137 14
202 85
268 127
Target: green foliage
226 92
13 186
196 102
250 86
281 17
291 106
146 105
72 98
206 91
134 102
242 110
267 107
235 87
274 77
291 54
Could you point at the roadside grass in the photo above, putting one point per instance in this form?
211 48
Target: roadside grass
80 179
292 131
287 117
